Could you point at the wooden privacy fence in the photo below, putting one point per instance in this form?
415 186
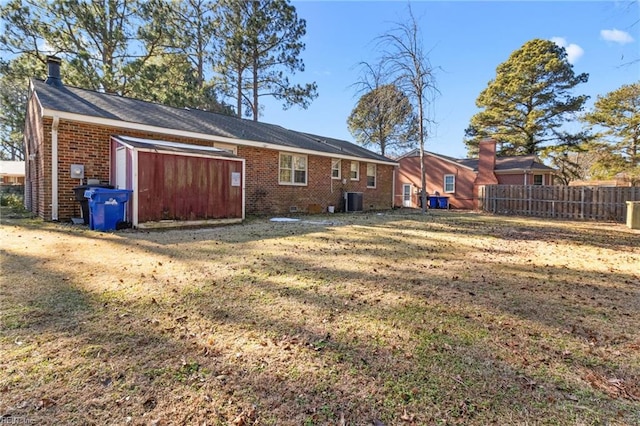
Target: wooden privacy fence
568 202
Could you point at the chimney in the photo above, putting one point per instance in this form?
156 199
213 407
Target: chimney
486 163
53 74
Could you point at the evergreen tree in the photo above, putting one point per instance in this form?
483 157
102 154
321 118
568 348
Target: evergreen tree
616 118
13 98
528 102
134 48
260 45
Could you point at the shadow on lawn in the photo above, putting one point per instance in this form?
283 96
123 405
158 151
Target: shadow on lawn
444 366
305 341
70 357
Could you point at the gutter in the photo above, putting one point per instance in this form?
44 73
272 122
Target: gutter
54 168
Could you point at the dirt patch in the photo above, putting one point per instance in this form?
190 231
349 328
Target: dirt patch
394 318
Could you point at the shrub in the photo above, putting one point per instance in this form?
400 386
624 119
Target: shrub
11 200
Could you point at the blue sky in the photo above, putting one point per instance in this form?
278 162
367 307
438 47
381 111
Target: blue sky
467 40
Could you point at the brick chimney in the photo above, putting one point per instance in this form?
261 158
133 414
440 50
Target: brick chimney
53 71
486 163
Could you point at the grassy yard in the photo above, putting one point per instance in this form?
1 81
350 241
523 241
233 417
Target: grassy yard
385 319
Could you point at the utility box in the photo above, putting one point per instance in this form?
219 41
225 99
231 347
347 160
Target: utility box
633 214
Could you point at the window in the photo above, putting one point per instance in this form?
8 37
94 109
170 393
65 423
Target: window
537 179
293 169
336 165
355 170
449 183
371 175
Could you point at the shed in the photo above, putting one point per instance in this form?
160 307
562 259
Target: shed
178 184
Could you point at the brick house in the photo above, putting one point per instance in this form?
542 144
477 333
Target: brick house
12 172
286 171
460 179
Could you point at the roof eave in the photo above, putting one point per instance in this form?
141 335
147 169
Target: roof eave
47 112
523 170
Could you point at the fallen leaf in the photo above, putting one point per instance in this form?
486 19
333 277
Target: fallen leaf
150 403
407 417
45 403
342 421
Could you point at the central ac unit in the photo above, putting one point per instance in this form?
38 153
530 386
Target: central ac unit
353 201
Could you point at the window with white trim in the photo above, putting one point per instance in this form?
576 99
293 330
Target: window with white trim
355 170
293 169
449 183
336 165
537 179
371 175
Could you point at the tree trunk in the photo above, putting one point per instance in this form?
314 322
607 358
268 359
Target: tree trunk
255 86
423 192
254 57
239 80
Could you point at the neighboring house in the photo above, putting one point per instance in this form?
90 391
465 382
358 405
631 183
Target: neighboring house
460 179
12 172
283 171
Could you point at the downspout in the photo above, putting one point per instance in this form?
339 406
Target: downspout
244 188
54 168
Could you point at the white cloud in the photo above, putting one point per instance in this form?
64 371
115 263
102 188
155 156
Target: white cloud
45 47
616 36
574 52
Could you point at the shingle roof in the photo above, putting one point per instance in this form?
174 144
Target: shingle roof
96 104
346 147
516 162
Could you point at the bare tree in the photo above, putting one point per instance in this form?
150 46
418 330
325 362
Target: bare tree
406 59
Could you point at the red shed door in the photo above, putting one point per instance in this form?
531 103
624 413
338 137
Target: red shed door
183 188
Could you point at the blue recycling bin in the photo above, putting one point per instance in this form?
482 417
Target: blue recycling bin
433 202
106 207
443 202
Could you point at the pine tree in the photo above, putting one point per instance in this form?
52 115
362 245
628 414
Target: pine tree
528 102
260 47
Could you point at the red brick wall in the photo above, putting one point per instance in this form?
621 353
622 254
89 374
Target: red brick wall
512 179
486 163
435 169
88 144
518 178
35 156
265 195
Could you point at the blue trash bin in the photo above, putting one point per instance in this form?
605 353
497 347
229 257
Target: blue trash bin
433 202
106 207
443 202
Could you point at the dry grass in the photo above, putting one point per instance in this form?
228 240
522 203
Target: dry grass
399 319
